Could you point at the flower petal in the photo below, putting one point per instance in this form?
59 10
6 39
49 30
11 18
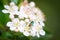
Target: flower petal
21 29
5 11
15 20
9 24
21 17
22 23
42 24
38 35
33 33
32 17
32 4
26 33
15 8
12 3
6 6
11 16
42 32
12 28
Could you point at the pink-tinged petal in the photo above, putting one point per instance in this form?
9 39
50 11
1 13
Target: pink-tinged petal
16 30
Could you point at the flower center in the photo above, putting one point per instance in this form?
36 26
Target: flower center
16 24
27 28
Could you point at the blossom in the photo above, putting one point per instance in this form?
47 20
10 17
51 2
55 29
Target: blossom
24 11
15 25
12 9
37 30
30 20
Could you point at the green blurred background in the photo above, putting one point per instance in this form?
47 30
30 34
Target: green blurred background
52 28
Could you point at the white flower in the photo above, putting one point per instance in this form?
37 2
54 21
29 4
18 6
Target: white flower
37 30
22 13
14 25
39 14
12 9
22 25
30 20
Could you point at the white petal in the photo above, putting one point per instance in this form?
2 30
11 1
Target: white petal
12 3
15 20
42 32
21 29
26 33
15 8
32 4
16 12
12 28
5 11
21 17
6 6
11 16
22 14
12 12
9 24
35 10
22 23
32 17
42 23
38 35
25 16
33 33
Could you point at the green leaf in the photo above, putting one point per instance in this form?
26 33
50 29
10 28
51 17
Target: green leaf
5 2
7 35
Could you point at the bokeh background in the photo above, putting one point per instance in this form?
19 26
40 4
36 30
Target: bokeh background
52 28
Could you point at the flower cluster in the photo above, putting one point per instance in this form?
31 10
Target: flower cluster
27 19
